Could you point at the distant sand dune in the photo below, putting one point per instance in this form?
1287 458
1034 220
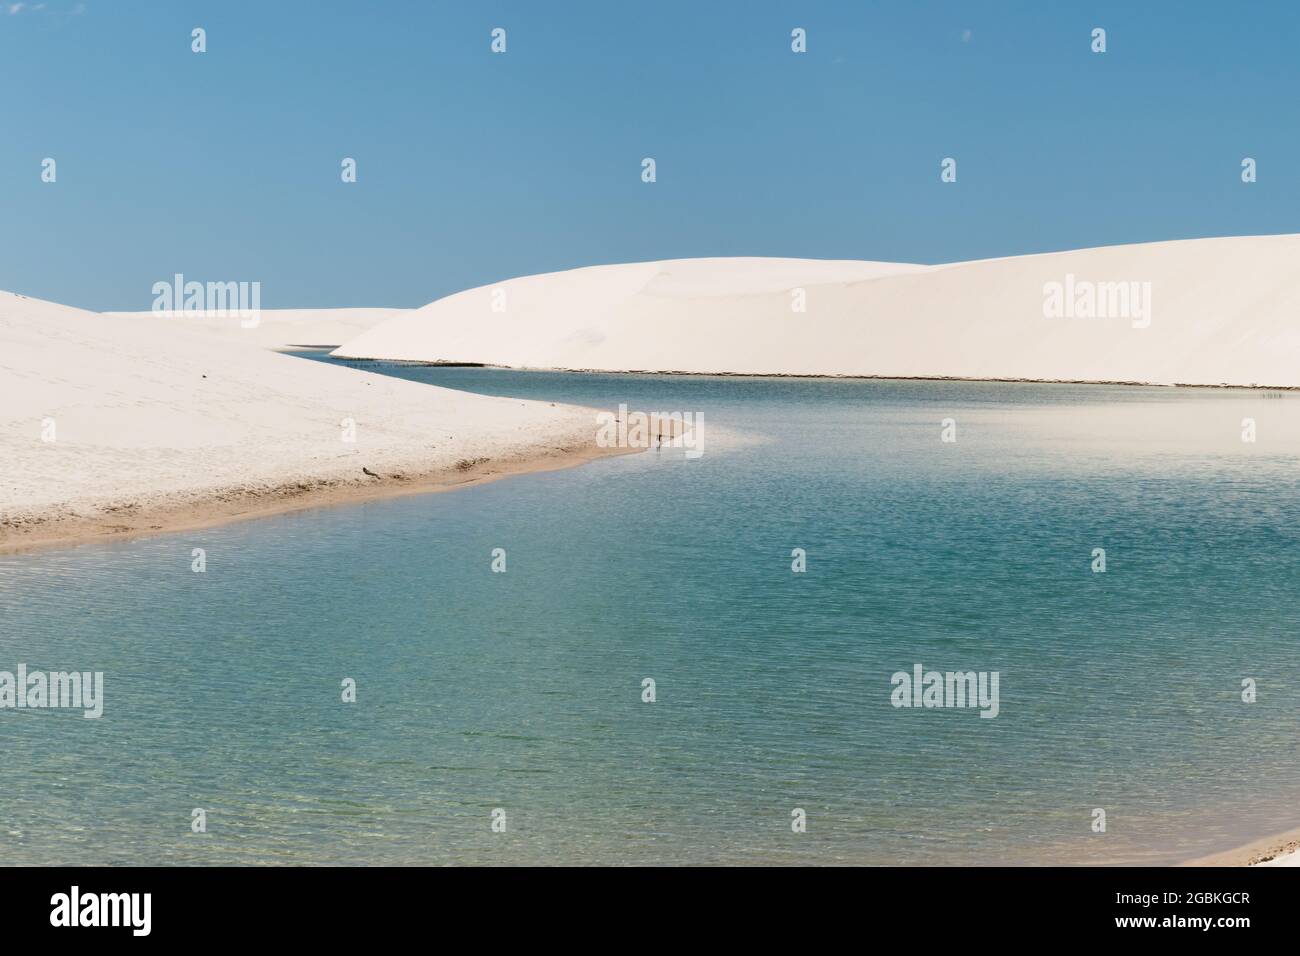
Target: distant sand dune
1222 311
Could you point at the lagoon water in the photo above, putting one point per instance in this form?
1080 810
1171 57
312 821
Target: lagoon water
523 691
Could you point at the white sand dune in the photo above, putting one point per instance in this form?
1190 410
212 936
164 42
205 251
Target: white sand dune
158 424
277 328
1222 311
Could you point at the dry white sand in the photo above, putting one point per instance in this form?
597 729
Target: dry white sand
277 328
1222 311
157 424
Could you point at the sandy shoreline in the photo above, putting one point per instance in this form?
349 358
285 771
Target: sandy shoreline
118 426
1278 849
226 505
809 376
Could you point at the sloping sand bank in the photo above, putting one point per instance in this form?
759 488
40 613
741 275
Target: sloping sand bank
120 425
1197 312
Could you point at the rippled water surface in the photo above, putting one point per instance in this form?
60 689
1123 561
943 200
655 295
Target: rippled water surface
522 690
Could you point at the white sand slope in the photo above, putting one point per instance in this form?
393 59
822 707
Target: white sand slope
151 418
1222 311
278 328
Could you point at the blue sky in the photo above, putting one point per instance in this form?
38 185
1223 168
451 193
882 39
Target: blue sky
474 167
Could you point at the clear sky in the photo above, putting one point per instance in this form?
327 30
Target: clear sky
474 166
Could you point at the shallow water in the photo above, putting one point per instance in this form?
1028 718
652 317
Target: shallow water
523 691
